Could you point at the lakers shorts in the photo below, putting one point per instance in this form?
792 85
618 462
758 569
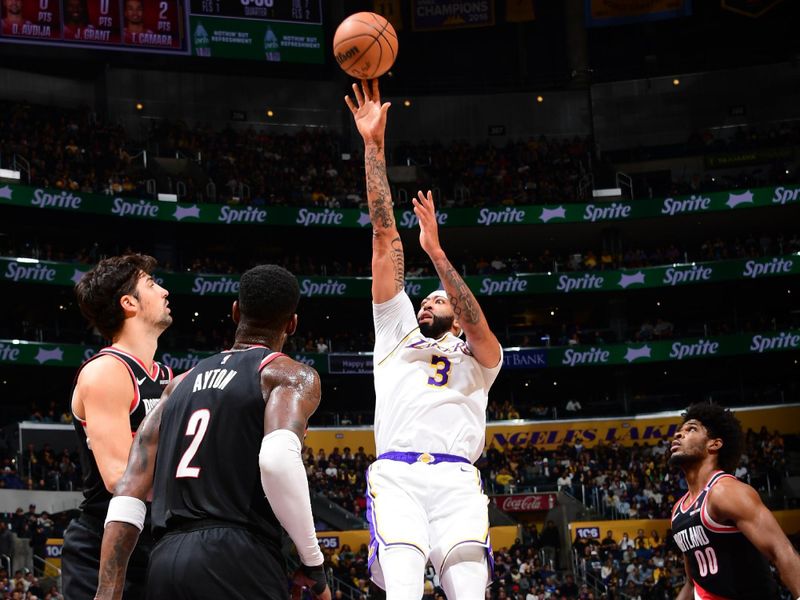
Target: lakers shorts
431 502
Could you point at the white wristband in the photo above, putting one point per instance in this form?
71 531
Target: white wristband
126 509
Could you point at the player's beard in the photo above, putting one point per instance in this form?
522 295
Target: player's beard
164 322
437 327
681 460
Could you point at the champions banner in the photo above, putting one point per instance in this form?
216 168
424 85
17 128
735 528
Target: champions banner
113 206
600 13
358 363
430 15
25 270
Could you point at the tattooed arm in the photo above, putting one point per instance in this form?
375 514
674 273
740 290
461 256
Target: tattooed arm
119 539
468 313
388 268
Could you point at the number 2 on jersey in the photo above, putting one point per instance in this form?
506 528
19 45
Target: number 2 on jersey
442 364
197 426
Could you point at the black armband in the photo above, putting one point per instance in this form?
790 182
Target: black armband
317 574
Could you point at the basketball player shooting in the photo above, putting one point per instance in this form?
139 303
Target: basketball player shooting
424 496
725 532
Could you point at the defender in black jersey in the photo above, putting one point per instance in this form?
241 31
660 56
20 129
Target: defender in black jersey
725 532
227 434
112 393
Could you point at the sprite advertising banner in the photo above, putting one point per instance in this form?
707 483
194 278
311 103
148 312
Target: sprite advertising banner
71 355
26 270
113 206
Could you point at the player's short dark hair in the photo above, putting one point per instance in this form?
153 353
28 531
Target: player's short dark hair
268 296
720 423
100 289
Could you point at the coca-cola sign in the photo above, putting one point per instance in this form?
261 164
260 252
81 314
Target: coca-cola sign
525 502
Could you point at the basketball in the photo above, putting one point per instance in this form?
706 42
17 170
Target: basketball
365 45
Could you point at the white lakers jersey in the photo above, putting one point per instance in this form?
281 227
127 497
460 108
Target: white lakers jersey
430 394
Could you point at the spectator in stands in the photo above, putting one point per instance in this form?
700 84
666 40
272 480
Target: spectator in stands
551 540
646 332
662 329
741 470
504 479
32 516
10 480
7 545
609 545
626 543
39 535
564 482
573 407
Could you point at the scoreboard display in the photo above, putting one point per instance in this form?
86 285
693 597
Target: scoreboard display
149 25
264 30
294 11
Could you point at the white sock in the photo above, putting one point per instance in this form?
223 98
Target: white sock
403 571
465 574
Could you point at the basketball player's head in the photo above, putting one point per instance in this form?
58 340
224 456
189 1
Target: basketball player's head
75 12
436 316
134 13
13 8
120 288
267 304
708 432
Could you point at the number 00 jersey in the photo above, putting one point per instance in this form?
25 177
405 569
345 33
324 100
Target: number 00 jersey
723 563
431 395
210 436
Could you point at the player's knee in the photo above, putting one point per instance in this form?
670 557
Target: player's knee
465 573
403 569
465 553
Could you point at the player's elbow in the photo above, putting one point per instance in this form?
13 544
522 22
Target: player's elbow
270 465
113 480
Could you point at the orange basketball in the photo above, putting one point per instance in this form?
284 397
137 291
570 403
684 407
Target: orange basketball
365 45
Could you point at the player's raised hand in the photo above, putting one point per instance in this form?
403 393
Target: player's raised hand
312 579
428 226
368 112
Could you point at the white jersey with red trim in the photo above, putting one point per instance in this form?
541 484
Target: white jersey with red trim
723 563
431 395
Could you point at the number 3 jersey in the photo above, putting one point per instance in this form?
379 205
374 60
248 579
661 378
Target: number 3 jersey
210 436
431 395
723 563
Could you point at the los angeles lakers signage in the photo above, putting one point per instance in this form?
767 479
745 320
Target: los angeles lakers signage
549 435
